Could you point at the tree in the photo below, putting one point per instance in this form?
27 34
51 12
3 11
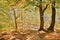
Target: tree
42 16
51 28
38 3
5 13
15 18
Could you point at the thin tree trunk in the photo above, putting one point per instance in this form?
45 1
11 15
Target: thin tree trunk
15 20
51 28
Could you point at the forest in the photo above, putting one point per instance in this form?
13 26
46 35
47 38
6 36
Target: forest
29 19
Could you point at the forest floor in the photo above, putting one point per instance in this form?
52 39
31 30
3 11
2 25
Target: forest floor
30 35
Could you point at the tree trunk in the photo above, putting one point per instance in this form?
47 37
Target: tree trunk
15 20
51 28
41 17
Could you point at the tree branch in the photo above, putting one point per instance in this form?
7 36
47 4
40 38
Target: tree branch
45 8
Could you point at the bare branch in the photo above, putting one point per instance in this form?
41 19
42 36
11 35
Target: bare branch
45 8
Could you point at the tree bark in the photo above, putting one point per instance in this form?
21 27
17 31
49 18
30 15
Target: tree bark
51 28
